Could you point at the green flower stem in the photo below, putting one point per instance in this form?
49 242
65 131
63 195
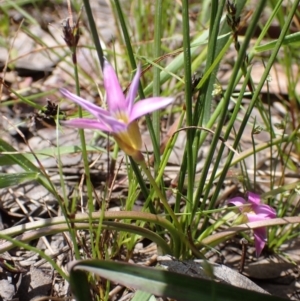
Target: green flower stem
160 194
85 162
156 79
190 162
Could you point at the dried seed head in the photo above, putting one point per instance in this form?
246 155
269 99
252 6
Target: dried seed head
71 33
231 8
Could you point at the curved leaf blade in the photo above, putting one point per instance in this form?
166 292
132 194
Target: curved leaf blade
165 283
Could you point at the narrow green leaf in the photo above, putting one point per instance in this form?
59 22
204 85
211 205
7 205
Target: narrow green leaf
80 286
287 40
23 12
26 164
168 284
46 153
20 159
7 180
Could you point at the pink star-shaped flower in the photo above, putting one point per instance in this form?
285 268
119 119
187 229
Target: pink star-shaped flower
120 118
255 212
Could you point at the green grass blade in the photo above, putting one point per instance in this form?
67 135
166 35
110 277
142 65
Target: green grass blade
23 12
167 284
7 180
94 31
46 153
289 39
25 164
156 79
190 161
215 23
239 63
80 286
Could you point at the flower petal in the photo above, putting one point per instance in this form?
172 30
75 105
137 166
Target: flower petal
115 124
82 123
260 234
237 201
90 107
256 217
112 125
253 198
260 238
130 141
264 210
149 105
114 95
133 90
